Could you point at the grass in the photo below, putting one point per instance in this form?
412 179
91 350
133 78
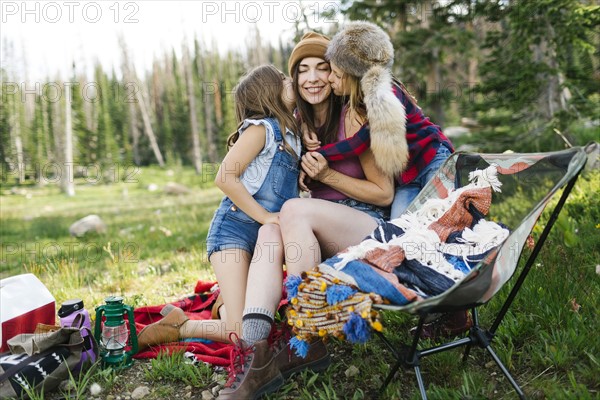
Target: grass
153 252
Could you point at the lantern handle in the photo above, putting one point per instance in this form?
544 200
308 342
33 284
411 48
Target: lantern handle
98 323
132 331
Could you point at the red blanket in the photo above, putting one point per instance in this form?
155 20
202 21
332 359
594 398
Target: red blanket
196 306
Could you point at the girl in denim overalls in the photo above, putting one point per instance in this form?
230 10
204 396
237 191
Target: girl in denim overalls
259 173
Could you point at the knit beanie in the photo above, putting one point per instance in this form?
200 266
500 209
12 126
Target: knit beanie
359 46
312 44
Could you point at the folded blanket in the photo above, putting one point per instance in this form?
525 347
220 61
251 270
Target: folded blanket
415 256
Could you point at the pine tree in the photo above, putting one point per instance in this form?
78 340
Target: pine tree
191 96
526 93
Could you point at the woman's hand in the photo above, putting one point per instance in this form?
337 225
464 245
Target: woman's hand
303 181
310 139
315 166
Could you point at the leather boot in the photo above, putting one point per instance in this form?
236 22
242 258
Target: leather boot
317 359
252 372
164 331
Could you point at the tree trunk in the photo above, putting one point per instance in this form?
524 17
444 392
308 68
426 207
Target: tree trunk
189 83
135 133
68 183
131 81
434 75
555 97
148 126
16 116
209 99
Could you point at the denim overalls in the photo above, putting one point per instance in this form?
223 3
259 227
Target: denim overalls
231 228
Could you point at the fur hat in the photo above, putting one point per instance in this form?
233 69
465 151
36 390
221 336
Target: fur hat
364 50
312 44
359 46
387 121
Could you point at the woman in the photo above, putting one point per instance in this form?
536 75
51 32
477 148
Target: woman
403 143
358 193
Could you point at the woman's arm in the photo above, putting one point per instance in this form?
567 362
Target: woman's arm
377 188
247 147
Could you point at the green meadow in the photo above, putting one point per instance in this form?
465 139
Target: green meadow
153 252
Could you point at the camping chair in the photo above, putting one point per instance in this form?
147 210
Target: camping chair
529 181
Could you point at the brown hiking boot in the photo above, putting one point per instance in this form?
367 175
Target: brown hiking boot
446 326
252 372
164 331
316 360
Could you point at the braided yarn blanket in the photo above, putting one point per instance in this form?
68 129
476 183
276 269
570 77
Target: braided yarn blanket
415 256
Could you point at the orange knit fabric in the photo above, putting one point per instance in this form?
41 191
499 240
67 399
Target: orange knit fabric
458 216
385 260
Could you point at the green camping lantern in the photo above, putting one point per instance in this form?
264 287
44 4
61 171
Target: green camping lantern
113 335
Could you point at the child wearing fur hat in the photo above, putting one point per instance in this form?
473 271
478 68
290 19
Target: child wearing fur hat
405 143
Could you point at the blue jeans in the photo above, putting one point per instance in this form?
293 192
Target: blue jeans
405 194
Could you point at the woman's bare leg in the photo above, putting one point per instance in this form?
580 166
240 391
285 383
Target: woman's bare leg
315 229
231 269
265 277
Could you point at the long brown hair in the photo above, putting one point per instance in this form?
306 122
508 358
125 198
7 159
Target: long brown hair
259 94
327 133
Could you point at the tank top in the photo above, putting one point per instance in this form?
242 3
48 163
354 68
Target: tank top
349 166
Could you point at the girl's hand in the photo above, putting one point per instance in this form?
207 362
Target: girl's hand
310 139
303 181
315 166
271 218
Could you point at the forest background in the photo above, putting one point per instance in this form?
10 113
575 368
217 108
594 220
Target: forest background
522 75
498 75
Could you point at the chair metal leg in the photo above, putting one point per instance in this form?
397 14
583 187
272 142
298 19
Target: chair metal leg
407 358
506 373
392 373
465 356
420 382
475 316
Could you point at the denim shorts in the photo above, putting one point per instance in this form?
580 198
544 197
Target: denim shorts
380 214
231 228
